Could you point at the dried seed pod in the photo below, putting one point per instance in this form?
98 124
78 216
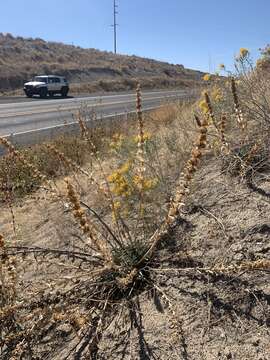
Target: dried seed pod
182 190
87 228
237 109
210 108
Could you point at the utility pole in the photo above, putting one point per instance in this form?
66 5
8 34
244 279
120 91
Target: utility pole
115 25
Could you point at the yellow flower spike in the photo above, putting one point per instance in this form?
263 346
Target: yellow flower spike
125 167
217 94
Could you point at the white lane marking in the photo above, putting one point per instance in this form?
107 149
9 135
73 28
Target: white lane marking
75 122
70 108
88 98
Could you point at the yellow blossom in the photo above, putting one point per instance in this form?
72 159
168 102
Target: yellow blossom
217 94
203 106
243 53
117 205
206 77
125 167
113 177
137 180
146 137
144 184
121 186
149 184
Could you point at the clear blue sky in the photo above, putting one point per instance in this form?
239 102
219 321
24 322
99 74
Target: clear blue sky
189 32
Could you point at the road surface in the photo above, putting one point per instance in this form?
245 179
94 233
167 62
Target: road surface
27 115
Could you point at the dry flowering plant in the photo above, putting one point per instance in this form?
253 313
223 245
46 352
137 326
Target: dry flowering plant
59 302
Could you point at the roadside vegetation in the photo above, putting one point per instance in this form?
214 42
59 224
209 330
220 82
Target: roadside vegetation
147 243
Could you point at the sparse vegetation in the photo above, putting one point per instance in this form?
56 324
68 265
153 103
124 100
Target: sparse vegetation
169 216
88 70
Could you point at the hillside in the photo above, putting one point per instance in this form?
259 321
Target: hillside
21 59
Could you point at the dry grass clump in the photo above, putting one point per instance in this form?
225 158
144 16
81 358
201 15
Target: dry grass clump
24 170
16 166
250 154
246 159
125 84
238 108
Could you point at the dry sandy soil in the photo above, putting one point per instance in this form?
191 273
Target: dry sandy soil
207 316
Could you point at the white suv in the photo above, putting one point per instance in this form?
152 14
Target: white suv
46 85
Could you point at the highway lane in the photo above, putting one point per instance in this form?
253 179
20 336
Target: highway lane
24 116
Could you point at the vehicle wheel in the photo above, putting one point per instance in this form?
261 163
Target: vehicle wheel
43 92
64 91
51 94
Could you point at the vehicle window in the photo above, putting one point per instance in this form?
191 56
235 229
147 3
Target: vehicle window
57 80
65 80
41 79
51 80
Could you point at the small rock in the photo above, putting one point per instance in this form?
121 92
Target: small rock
239 257
256 342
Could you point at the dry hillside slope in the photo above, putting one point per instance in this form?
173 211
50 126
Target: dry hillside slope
21 59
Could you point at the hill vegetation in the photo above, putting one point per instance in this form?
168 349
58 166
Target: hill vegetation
87 69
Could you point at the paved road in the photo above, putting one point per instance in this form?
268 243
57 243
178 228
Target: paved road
24 116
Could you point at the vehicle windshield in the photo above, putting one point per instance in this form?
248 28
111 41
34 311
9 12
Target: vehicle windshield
41 79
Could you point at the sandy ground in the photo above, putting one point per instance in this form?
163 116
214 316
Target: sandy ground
194 315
